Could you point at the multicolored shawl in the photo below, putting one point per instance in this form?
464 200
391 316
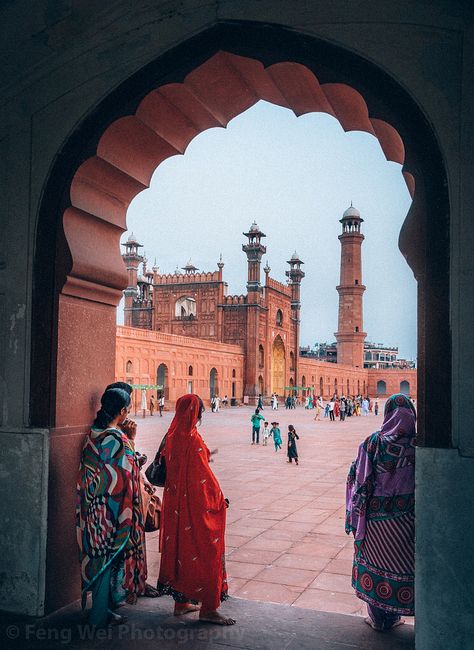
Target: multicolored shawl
380 511
193 516
109 520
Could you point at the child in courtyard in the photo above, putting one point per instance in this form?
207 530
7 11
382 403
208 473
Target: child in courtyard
292 438
276 433
266 433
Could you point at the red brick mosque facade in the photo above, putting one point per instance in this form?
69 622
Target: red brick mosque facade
183 333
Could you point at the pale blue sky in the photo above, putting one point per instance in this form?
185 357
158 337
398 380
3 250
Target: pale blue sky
295 177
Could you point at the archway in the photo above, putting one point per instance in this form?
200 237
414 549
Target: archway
121 143
162 380
381 387
278 366
405 387
213 383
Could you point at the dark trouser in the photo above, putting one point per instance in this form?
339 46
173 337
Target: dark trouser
382 619
161 411
255 434
331 415
342 415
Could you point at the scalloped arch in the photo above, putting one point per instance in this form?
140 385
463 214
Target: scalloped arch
166 121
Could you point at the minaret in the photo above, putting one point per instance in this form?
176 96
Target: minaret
295 275
255 251
132 259
350 335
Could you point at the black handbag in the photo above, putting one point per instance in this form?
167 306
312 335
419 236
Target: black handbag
156 471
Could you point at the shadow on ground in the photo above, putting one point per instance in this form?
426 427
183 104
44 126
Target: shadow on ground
260 626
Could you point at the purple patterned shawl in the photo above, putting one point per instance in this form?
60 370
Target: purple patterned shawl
385 464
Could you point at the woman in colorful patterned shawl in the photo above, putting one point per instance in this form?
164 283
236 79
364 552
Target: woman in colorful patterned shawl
380 512
192 530
108 512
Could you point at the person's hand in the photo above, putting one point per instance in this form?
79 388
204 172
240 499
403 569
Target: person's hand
214 451
227 503
129 427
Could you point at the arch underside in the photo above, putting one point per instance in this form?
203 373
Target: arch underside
165 122
278 367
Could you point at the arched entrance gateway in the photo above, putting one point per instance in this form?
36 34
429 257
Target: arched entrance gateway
278 366
110 159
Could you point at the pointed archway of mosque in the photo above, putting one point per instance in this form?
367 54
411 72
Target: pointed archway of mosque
278 366
79 273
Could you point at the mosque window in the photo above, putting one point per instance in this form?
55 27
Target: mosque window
190 371
129 366
185 308
279 317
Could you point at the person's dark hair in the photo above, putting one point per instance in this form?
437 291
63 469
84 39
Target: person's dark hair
112 402
291 427
122 385
201 408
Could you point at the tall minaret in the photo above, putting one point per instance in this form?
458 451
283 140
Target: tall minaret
255 251
350 335
295 275
132 259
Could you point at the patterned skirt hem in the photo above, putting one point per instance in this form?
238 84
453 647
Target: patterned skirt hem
405 611
178 597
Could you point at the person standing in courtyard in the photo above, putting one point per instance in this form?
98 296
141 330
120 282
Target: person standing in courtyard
256 419
260 403
292 449
109 520
342 409
276 433
331 410
376 408
380 514
192 545
161 404
152 405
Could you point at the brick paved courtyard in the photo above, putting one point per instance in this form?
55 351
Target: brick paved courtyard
285 525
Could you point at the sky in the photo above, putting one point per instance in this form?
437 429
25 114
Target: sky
294 176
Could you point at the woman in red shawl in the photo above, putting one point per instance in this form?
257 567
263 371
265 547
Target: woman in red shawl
192 532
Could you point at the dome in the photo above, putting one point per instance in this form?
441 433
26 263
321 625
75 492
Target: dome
254 227
351 212
295 256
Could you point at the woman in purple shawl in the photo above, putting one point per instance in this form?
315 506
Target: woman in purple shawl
380 512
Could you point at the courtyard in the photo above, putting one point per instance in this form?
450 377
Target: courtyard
285 525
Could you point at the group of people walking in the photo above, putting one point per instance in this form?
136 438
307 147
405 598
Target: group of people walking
111 518
342 407
274 432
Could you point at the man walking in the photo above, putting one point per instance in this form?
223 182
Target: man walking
256 418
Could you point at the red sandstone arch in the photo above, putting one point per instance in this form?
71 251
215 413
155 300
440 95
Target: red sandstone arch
165 122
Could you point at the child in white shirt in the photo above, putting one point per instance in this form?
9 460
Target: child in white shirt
266 433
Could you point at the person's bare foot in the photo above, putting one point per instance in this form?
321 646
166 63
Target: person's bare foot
180 609
373 625
216 618
400 621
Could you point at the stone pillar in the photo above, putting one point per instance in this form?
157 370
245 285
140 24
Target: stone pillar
132 259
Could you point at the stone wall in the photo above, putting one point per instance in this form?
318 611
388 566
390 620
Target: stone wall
146 350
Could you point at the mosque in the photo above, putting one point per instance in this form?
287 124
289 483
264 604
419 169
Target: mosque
183 333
